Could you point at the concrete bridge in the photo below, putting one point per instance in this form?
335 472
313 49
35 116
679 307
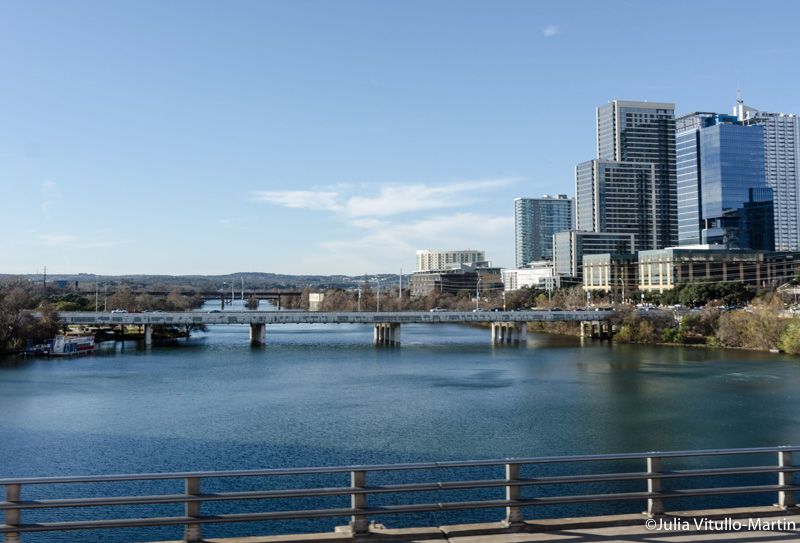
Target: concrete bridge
507 327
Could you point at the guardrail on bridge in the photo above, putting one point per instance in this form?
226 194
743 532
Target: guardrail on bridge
516 475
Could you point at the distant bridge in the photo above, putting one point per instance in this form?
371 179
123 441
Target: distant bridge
227 295
506 326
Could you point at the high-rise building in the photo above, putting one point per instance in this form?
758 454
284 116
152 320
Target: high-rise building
782 170
723 198
535 222
447 260
617 197
644 132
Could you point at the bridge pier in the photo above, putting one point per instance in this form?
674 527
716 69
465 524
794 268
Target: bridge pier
258 334
509 333
148 334
596 329
387 333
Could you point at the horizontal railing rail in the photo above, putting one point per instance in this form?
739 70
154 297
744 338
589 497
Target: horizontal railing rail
360 511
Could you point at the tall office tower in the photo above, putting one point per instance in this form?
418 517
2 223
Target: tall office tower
644 132
687 168
723 198
782 168
617 198
535 222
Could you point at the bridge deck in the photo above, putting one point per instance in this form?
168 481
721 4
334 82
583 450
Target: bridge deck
313 317
608 529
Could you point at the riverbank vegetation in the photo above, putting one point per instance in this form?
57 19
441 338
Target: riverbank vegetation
29 316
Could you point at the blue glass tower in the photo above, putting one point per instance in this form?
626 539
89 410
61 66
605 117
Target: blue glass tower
723 196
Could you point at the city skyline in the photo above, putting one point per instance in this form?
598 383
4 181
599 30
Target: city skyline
302 138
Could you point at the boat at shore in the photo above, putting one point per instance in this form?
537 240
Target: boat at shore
62 346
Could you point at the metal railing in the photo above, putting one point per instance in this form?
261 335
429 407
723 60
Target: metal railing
359 491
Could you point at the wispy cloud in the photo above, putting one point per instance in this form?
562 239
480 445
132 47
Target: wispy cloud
390 199
298 199
51 195
385 224
551 30
382 243
71 241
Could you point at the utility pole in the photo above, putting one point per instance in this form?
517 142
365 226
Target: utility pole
96 295
378 294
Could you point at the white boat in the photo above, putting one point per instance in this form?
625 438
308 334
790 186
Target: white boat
70 345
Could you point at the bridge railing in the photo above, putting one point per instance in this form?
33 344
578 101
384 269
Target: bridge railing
356 497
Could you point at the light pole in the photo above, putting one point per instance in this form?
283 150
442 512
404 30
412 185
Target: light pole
504 300
377 294
359 299
478 294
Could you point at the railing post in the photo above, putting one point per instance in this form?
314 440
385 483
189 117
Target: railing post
191 532
359 524
12 515
513 492
785 478
655 506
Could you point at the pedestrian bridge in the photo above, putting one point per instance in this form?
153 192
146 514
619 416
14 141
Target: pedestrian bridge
506 326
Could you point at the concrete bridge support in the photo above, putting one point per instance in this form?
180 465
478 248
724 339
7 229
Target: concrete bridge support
258 334
387 333
148 334
509 333
596 329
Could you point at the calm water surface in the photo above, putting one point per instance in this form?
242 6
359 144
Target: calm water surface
318 395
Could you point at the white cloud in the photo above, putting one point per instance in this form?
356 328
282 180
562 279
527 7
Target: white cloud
387 223
51 196
298 199
388 244
391 199
550 30
56 239
69 241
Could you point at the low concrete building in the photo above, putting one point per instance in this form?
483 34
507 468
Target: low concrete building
540 274
664 269
570 247
470 277
614 273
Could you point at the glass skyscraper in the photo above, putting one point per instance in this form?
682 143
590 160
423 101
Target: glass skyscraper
782 170
644 132
723 196
617 197
535 222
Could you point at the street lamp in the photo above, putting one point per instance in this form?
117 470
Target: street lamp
378 294
478 294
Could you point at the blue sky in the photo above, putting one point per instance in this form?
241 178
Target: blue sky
333 137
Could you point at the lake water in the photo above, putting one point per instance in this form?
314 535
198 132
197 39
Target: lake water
324 395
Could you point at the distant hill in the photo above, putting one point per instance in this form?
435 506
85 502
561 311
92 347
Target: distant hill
252 280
